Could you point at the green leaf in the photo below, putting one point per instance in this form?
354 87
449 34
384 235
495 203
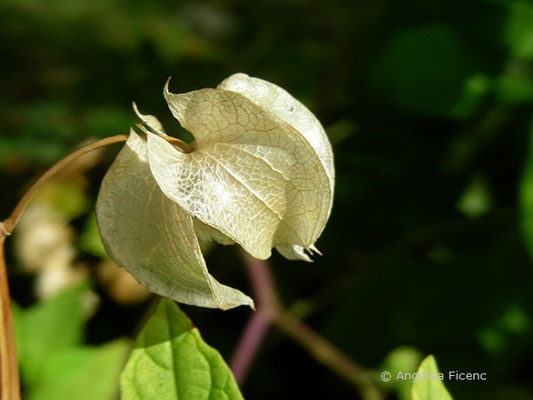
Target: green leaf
83 373
54 365
399 360
48 328
430 387
171 361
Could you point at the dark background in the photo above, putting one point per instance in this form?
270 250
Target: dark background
428 106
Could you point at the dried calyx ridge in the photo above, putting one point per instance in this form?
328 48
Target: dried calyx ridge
260 174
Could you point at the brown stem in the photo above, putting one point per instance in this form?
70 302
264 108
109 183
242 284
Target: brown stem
11 222
185 147
9 376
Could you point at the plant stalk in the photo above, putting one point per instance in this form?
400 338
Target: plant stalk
249 344
11 222
269 311
9 375
327 354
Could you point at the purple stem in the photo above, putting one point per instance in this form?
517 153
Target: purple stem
260 321
263 286
269 312
249 343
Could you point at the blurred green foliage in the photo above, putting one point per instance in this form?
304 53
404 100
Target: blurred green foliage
90 240
429 105
53 361
399 360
